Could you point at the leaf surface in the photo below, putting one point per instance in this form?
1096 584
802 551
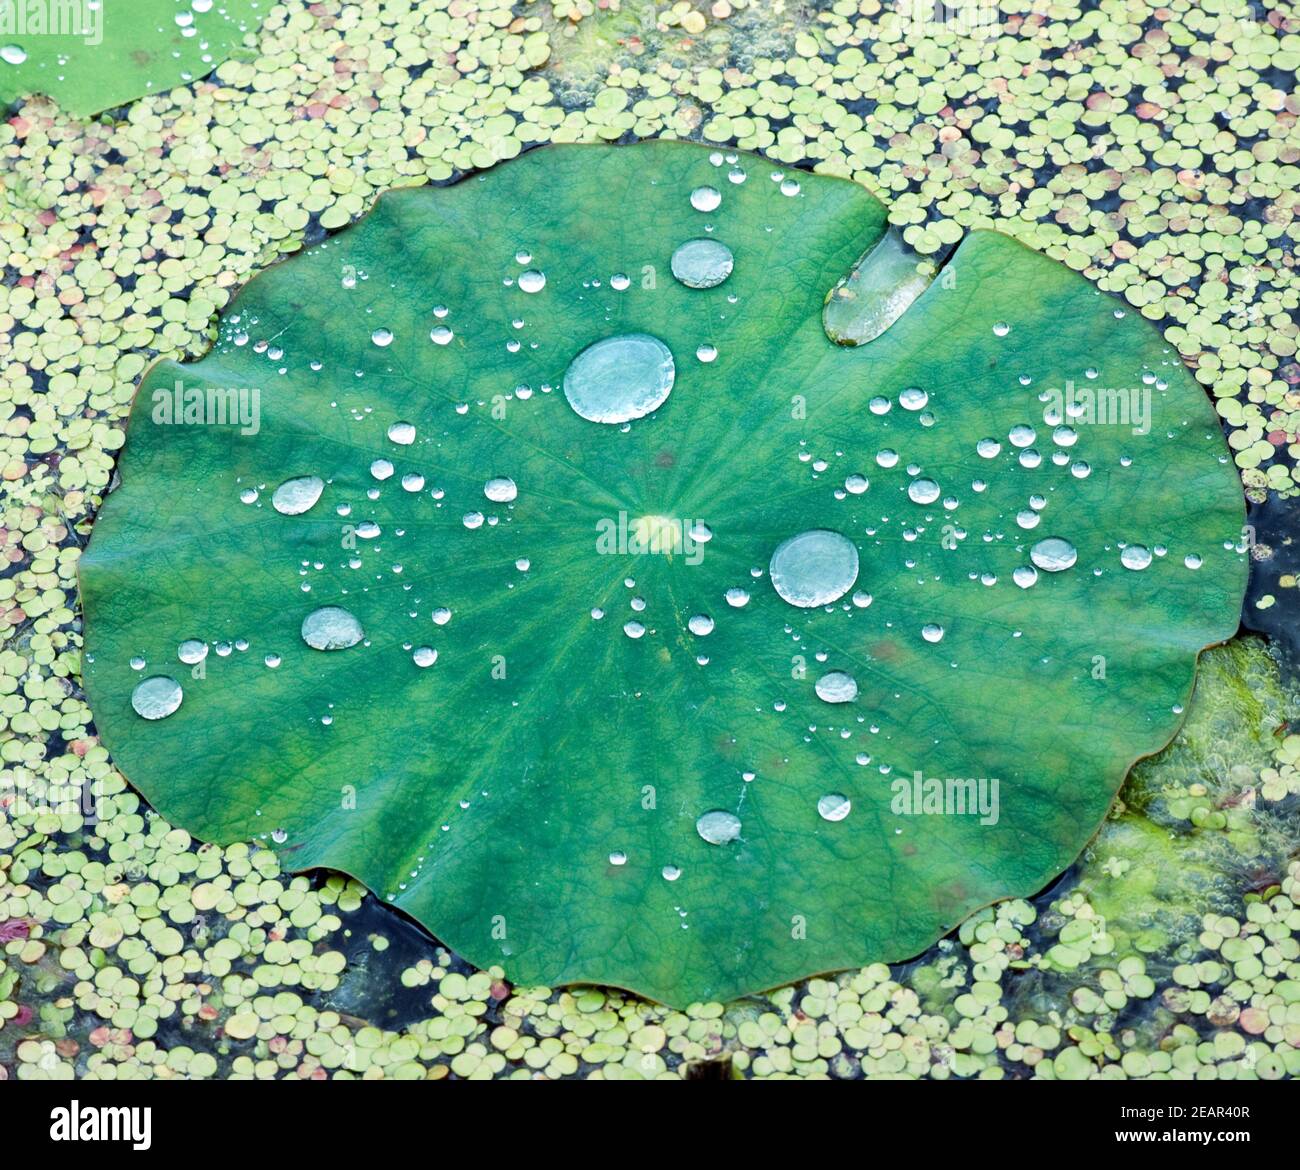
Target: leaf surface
541 794
91 55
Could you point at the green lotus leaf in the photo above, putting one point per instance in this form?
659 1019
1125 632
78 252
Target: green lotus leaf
91 55
530 552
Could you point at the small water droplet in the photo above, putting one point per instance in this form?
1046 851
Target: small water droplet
1053 554
296 496
424 656
618 857
191 651
13 54
382 337
402 433
381 469
706 198
834 806
923 491
718 827
1025 576
932 632
702 263
700 624
440 335
836 687
1135 557
633 629
670 873
331 628
913 398
500 489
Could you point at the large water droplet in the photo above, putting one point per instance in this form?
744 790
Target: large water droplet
620 378
1135 556
837 687
402 433
13 54
718 827
296 496
923 491
500 489
156 697
331 628
532 281
706 198
702 263
814 568
192 650
1053 554
700 625
834 806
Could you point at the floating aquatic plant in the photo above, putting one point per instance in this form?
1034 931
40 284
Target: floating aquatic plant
578 593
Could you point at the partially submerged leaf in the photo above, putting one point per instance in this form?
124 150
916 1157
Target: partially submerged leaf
91 55
879 289
659 700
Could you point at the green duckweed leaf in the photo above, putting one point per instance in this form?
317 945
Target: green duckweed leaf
91 55
724 802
